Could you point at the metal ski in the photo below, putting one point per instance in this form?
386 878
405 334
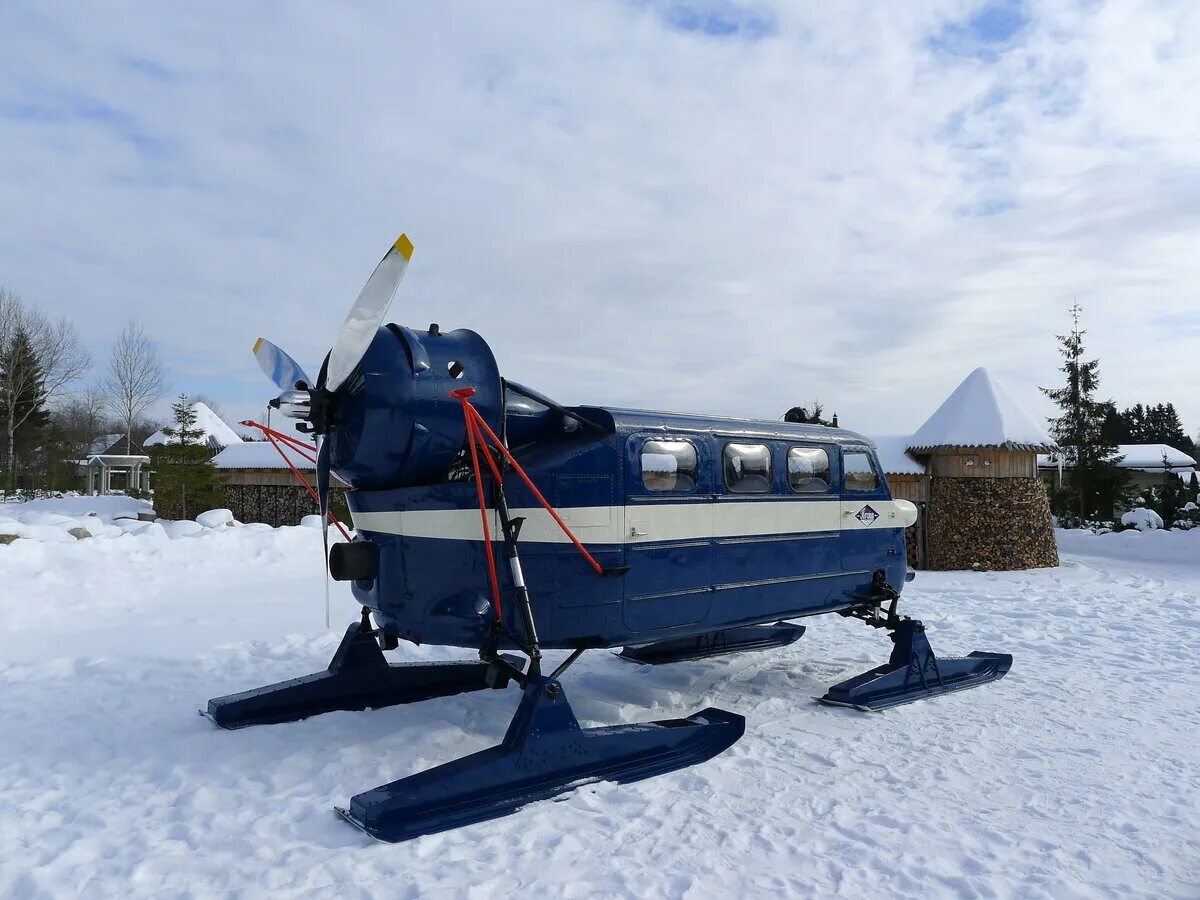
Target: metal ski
358 677
915 673
716 643
544 753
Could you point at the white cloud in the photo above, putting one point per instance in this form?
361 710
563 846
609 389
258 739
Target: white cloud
860 203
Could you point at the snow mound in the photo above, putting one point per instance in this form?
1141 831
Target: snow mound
215 518
981 413
1142 519
216 432
182 529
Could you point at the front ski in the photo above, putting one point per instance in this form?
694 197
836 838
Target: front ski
544 753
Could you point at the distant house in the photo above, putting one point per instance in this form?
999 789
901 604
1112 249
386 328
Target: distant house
972 471
261 487
109 468
1145 463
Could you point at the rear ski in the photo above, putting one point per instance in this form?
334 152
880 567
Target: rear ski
358 677
915 673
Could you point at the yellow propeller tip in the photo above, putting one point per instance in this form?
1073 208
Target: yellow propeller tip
404 246
257 344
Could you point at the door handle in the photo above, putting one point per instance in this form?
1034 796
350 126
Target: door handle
633 532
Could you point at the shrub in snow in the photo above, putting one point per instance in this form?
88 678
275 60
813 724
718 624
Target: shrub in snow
215 518
1142 519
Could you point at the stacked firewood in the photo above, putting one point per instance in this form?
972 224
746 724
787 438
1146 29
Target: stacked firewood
275 504
990 524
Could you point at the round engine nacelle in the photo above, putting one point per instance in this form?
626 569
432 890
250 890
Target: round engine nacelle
395 423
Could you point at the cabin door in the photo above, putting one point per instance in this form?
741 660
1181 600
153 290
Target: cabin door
668 532
867 542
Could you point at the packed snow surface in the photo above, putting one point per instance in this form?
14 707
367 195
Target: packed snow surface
1078 775
215 431
980 413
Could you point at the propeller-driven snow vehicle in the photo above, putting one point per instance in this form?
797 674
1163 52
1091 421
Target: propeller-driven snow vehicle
676 537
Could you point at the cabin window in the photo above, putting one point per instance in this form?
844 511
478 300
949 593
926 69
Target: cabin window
747 468
860 476
808 470
668 465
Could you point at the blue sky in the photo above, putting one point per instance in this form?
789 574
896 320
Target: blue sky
706 205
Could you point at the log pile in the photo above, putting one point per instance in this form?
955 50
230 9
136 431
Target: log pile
990 524
277 504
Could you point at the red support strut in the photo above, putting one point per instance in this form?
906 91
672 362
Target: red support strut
273 437
476 428
472 436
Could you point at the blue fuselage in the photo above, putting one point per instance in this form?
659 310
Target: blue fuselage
739 529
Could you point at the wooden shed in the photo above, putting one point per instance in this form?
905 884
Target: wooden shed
988 508
260 487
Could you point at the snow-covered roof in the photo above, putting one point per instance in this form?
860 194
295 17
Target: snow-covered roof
894 456
257 455
1147 457
1150 456
216 433
981 413
105 442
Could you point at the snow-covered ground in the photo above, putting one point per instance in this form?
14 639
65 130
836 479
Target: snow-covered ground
1078 775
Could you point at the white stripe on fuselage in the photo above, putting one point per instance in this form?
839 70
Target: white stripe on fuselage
645 523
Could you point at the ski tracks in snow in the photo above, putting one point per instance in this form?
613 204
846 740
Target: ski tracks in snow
1074 776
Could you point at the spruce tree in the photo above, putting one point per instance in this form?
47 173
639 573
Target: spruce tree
1172 495
186 482
22 379
1095 483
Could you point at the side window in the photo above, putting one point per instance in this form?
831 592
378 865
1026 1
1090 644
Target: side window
747 468
858 472
668 465
808 470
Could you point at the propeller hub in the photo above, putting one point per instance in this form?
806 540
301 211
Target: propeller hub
294 404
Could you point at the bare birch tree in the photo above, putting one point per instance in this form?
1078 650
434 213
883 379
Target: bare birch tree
135 378
81 419
39 359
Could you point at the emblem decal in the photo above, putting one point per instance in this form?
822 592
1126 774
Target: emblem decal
867 516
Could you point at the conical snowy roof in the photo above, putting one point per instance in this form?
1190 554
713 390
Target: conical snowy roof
216 433
981 413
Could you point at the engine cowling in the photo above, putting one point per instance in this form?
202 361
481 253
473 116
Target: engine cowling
396 424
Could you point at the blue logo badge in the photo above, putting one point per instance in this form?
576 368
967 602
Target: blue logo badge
867 516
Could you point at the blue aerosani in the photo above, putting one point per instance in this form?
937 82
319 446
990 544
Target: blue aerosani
672 536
